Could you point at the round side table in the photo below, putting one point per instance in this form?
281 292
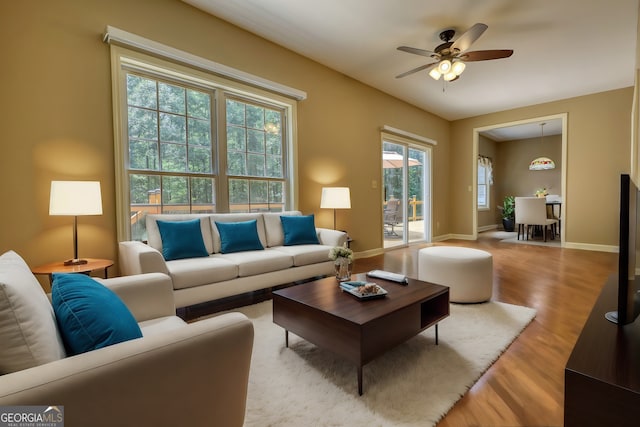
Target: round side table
93 264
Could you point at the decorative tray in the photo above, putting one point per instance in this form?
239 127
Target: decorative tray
363 290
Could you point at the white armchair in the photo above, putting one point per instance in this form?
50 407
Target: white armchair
176 374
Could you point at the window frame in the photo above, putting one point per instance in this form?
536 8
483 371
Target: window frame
124 60
487 186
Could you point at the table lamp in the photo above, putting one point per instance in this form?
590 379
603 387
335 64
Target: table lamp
75 198
335 198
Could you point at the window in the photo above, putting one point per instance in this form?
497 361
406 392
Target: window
484 181
254 150
190 145
169 149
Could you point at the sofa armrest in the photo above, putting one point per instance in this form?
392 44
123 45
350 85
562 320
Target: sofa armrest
148 296
194 375
332 237
138 258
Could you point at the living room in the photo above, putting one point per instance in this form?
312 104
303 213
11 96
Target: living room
58 125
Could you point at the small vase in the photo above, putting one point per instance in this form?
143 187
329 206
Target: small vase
343 269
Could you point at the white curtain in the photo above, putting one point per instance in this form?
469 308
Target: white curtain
486 162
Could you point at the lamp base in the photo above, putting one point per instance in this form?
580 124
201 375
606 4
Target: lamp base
75 261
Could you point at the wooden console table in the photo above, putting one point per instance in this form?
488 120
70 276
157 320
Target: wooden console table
602 376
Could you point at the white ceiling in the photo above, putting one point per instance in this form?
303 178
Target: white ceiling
525 131
562 48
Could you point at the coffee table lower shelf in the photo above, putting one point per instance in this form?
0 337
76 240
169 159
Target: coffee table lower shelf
359 331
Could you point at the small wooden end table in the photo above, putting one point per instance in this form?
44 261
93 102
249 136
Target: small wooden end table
93 264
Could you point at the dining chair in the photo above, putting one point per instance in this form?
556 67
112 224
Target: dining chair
532 211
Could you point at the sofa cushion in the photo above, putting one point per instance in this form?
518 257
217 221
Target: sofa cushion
89 315
236 217
299 230
181 239
252 263
306 254
187 273
273 227
238 236
153 233
28 332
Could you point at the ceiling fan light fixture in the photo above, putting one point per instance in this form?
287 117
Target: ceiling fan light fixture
434 73
444 66
458 67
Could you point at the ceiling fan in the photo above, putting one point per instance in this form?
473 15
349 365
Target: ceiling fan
451 56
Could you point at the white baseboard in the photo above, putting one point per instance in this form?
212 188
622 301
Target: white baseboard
453 236
462 236
590 247
487 227
441 238
369 253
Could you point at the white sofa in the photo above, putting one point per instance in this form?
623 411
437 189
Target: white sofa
177 374
202 279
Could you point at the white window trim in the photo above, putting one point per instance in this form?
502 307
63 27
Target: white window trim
403 133
123 59
484 207
117 36
488 183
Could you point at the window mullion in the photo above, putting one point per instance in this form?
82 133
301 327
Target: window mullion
222 183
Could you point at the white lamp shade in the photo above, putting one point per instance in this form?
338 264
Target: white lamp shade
458 67
450 76
335 198
75 198
444 66
434 73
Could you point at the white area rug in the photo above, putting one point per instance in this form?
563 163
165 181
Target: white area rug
414 384
512 237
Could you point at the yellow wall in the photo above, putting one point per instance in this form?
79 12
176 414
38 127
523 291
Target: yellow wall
56 119
598 147
512 168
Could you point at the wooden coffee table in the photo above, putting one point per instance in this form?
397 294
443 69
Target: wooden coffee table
357 330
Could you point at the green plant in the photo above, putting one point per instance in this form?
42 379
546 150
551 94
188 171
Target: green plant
340 252
509 208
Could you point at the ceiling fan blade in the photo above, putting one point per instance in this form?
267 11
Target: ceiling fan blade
465 41
415 70
416 51
485 55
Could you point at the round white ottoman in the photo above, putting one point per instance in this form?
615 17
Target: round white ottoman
467 272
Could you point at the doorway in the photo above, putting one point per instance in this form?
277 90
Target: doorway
406 172
524 130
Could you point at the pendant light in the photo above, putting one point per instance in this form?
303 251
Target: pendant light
542 163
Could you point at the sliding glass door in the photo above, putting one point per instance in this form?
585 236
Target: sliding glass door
406 201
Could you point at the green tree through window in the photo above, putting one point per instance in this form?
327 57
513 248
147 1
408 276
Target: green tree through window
255 165
172 156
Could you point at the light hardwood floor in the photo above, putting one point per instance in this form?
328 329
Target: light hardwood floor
525 387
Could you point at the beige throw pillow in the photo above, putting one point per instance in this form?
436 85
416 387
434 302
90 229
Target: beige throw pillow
28 330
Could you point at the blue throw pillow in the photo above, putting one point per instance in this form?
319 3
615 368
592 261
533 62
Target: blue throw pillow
299 230
181 239
239 236
90 315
